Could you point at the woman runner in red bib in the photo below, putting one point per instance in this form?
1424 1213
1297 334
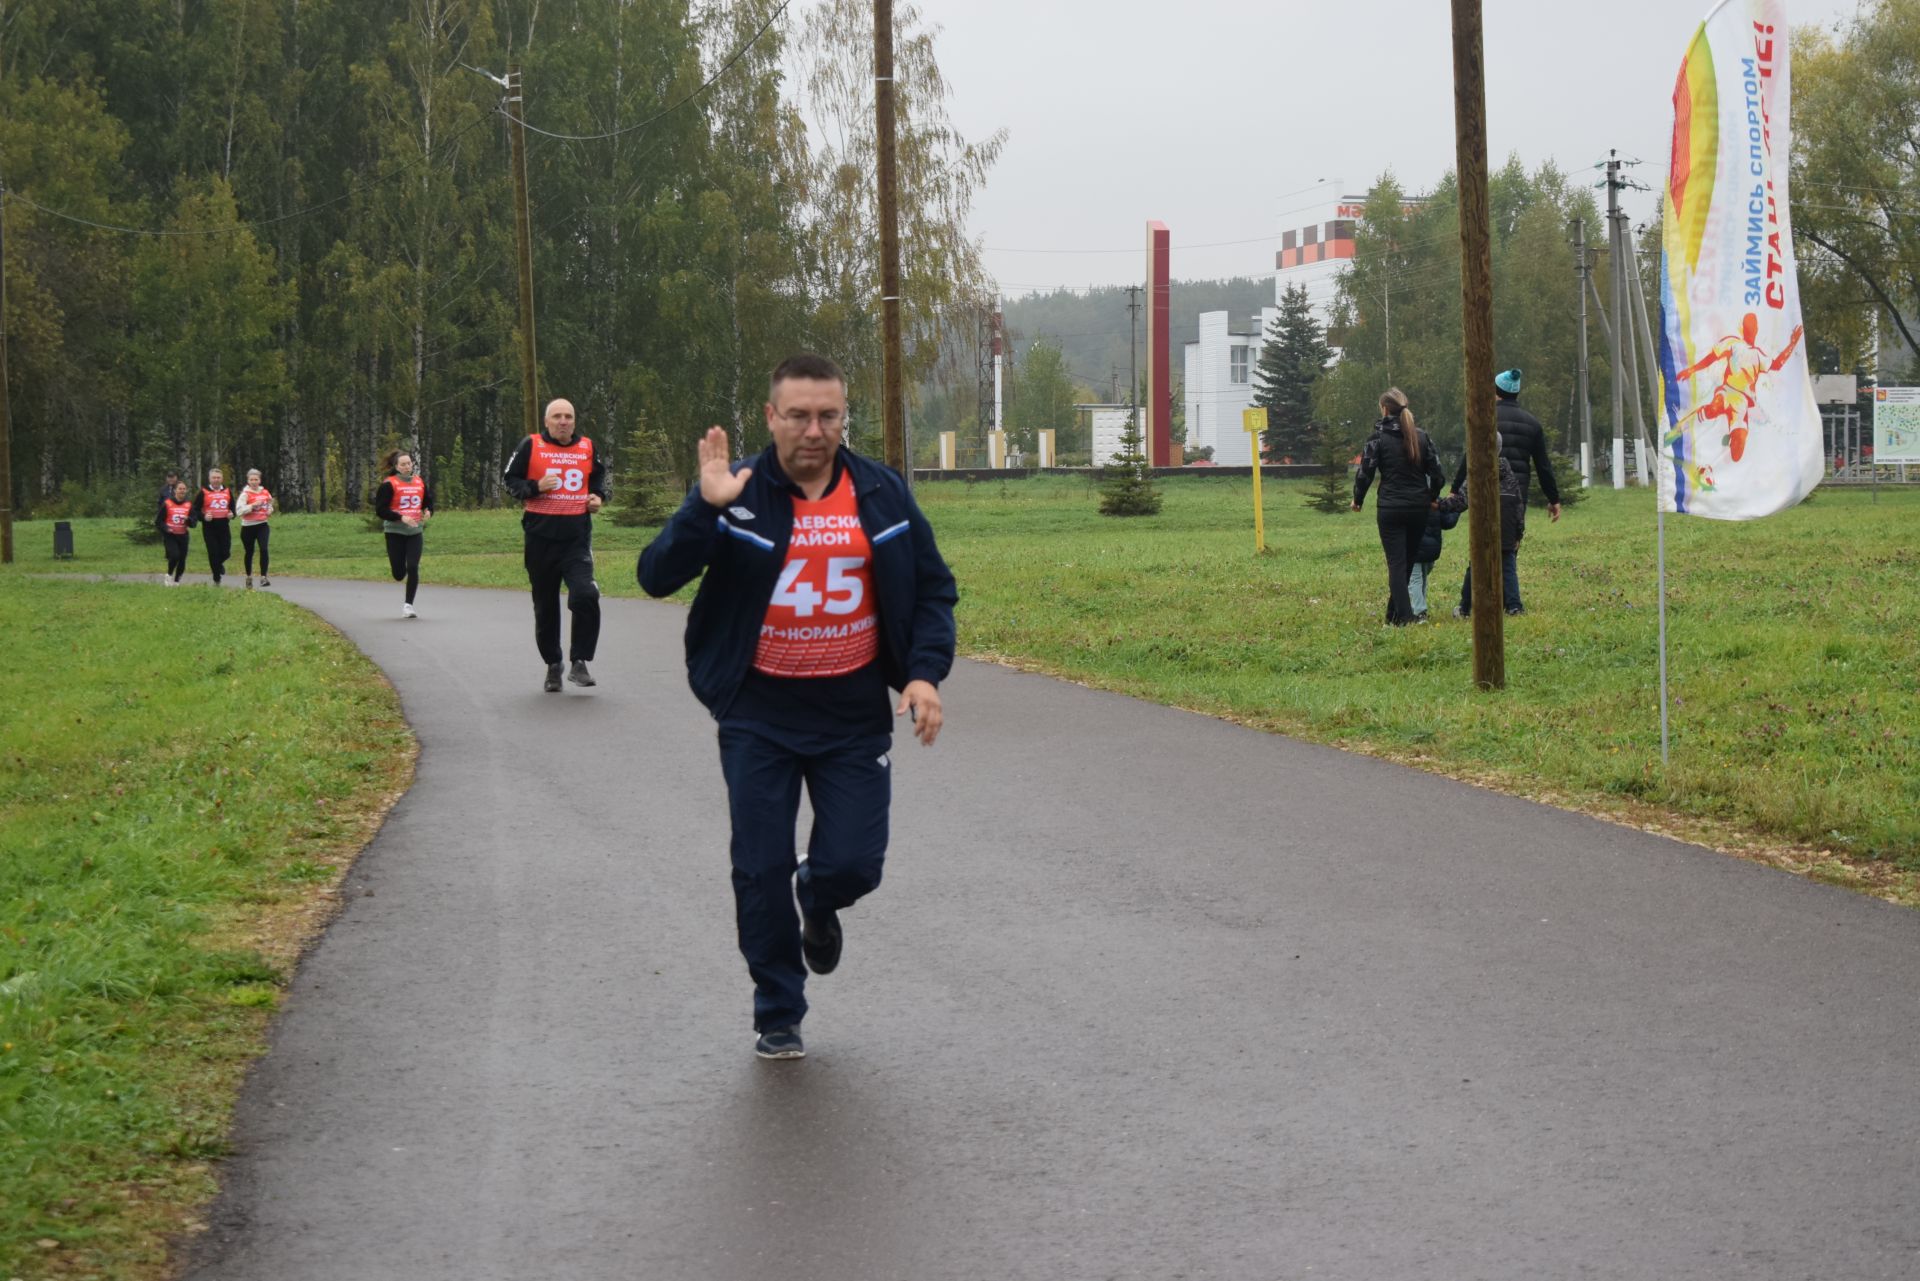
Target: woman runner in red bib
176 512
254 506
405 505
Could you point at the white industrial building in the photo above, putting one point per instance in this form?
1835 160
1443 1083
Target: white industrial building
1221 362
1219 385
1107 429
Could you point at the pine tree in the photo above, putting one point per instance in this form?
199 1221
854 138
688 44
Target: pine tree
1127 488
1334 452
644 480
1291 361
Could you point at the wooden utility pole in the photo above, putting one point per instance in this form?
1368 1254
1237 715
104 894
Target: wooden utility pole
893 401
523 231
6 412
1476 298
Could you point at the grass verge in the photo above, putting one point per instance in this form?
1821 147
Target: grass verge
184 778
1796 721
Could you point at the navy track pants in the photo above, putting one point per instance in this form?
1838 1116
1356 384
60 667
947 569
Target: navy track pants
849 781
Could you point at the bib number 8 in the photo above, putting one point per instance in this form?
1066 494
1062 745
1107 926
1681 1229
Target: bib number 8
843 595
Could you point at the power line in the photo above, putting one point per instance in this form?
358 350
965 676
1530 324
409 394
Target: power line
725 67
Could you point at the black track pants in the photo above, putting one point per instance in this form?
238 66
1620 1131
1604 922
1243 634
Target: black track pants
252 536
551 562
219 540
177 547
403 558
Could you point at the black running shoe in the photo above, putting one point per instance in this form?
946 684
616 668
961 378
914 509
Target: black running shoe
579 674
553 678
780 1043
820 940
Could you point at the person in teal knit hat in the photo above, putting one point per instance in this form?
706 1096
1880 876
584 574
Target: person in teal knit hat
1524 446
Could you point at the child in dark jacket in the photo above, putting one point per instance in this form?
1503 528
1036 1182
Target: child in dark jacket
1513 510
1438 522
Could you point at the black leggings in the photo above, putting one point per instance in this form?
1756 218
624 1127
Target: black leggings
1400 535
250 537
403 558
177 548
219 540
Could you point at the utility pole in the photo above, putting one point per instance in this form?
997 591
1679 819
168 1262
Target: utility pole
1582 268
523 231
6 411
1133 362
1653 362
1617 347
1476 307
892 401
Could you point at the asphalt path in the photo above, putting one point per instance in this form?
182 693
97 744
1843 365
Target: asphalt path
1144 995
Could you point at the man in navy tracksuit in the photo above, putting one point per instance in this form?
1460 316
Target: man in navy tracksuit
822 589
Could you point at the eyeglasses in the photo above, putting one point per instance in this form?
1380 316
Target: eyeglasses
828 418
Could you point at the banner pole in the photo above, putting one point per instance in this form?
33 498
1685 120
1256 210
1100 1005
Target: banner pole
1660 525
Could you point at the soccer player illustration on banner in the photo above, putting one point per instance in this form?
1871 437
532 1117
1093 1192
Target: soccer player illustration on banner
1742 367
560 481
822 588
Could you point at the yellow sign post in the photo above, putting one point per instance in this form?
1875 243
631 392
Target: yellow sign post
1255 422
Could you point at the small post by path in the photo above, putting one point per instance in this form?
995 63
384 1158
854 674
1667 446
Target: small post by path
523 229
892 397
1255 422
1476 300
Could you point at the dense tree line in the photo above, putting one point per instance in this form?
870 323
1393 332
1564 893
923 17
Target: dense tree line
279 233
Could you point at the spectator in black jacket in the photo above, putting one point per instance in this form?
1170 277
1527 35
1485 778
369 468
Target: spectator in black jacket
1513 506
1410 483
1525 448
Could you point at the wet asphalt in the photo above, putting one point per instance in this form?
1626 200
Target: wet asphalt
1144 995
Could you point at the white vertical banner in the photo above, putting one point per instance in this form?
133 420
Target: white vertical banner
1742 436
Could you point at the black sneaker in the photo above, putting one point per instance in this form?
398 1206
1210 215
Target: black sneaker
1515 611
780 1043
820 940
1460 611
265 581
553 678
579 674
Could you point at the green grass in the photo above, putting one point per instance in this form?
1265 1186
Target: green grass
1792 639
182 776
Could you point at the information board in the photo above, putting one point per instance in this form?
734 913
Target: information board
1896 425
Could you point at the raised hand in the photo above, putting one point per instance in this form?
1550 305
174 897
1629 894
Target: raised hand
719 483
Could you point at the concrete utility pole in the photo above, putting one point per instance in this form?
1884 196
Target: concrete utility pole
1582 268
1476 314
892 397
523 231
1618 348
1133 358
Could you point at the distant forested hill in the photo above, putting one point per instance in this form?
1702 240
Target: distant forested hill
1091 328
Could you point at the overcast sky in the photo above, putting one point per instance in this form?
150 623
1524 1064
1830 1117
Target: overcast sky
1220 117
